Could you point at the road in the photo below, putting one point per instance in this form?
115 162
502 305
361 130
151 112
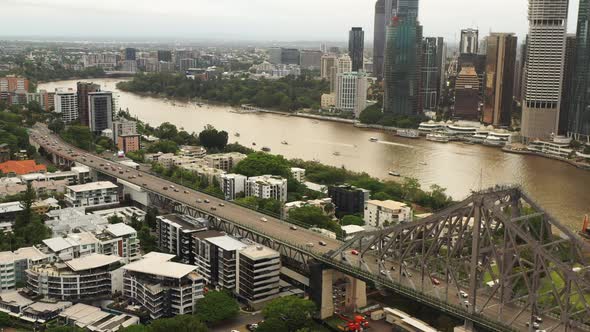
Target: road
273 227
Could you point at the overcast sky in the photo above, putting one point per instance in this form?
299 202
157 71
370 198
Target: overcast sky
259 20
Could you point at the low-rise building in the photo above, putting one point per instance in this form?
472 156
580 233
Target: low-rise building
204 171
348 199
20 167
162 287
93 194
129 143
232 185
70 220
14 264
258 275
87 277
386 213
94 319
23 308
122 127
224 161
267 186
323 203
174 233
126 213
41 188
298 174
194 151
328 101
350 231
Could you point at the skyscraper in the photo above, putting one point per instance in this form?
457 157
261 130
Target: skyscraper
84 88
544 68
402 61
379 38
469 43
100 108
66 104
579 115
431 62
467 94
310 59
165 55
130 54
567 87
356 42
351 92
500 70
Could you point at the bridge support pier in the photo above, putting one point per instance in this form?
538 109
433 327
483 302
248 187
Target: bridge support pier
356 294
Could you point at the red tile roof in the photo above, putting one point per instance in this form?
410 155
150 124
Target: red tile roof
21 167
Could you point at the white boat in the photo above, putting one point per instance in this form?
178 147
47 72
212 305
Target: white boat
430 126
497 139
284 143
437 137
392 173
373 139
408 133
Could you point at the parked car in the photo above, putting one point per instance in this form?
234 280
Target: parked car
263 219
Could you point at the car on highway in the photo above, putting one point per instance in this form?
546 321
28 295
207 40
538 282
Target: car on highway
221 204
186 191
466 303
176 190
263 219
463 294
435 281
206 201
252 327
535 325
322 243
293 228
354 252
199 201
213 208
165 188
309 244
538 319
383 272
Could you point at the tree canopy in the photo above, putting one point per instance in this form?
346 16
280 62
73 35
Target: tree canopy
216 307
211 138
352 220
260 163
180 323
288 314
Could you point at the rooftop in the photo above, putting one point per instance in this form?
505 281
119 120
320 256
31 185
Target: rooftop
349 229
227 243
21 167
10 207
389 204
91 261
58 243
100 185
120 229
258 251
14 298
159 265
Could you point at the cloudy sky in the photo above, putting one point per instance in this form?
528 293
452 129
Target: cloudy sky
254 20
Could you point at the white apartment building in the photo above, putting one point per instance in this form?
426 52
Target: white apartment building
123 127
323 203
204 171
114 239
224 161
87 277
175 234
386 213
192 151
215 258
68 220
351 92
93 194
232 184
258 269
66 104
267 186
14 264
298 174
162 287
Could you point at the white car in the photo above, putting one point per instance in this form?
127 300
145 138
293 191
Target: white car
463 294
263 219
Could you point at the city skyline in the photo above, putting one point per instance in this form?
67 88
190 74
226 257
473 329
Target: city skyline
258 21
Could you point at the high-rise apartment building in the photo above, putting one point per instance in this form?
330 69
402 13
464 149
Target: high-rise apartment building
351 92
579 113
356 42
469 43
467 95
66 104
100 111
432 66
402 64
500 70
130 54
83 89
327 69
544 68
257 274
290 56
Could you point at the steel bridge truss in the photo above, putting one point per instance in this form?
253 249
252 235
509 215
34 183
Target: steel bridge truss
514 259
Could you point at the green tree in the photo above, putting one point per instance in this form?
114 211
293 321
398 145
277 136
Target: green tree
180 323
115 219
310 215
135 328
211 138
371 114
164 145
295 312
216 307
261 163
352 220
5 320
65 328
79 136
56 126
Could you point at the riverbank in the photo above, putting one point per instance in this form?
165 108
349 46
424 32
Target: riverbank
576 164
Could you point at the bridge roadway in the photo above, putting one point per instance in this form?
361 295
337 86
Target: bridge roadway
240 215
273 227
